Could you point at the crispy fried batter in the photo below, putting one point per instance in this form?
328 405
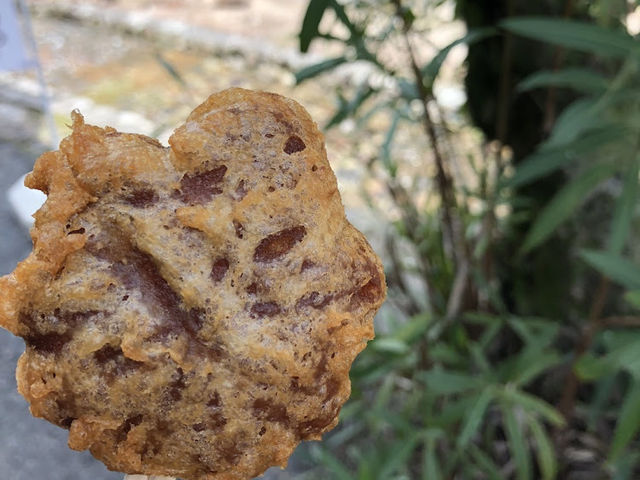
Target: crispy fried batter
192 311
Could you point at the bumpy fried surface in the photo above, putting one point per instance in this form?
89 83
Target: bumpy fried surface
192 311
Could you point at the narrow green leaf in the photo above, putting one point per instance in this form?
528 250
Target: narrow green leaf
430 465
331 463
547 160
446 383
603 390
318 68
311 22
580 79
485 463
170 69
582 36
544 450
564 203
344 18
617 268
431 70
632 297
349 108
517 443
474 417
579 117
625 208
397 456
628 423
534 404
389 345
532 363
385 152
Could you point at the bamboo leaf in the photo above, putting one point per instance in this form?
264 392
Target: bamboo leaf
431 466
446 383
628 423
170 69
624 209
431 70
331 463
318 68
547 160
632 297
517 443
385 153
485 463
582 36
614 266
575 119
397 456
544 450
579 79
349 108
531 403
311 22
564 203
474 417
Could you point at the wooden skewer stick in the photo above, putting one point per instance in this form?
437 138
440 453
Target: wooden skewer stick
147 477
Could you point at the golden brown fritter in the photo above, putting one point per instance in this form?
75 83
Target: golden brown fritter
194 310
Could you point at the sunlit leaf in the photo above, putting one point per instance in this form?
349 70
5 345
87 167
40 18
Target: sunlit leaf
311 22
617 268
318 68
389 345
565 202
582 36
580 79
628 423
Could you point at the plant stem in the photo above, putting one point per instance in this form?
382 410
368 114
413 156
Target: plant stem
452 227
567 402
558 58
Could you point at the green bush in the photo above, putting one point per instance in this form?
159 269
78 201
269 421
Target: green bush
472 383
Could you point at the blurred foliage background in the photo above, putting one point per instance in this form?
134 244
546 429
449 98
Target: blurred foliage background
509 347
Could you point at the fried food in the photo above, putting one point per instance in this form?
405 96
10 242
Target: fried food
192 310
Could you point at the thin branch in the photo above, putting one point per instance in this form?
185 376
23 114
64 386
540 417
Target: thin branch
567 402
621 322
443 180
558 58
452 225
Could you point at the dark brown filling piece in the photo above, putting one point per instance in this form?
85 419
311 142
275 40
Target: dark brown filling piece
294 144
200 187
265 309
278 244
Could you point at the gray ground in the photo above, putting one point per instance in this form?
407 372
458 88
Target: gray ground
30 448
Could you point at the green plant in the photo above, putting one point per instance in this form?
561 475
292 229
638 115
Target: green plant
463 384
